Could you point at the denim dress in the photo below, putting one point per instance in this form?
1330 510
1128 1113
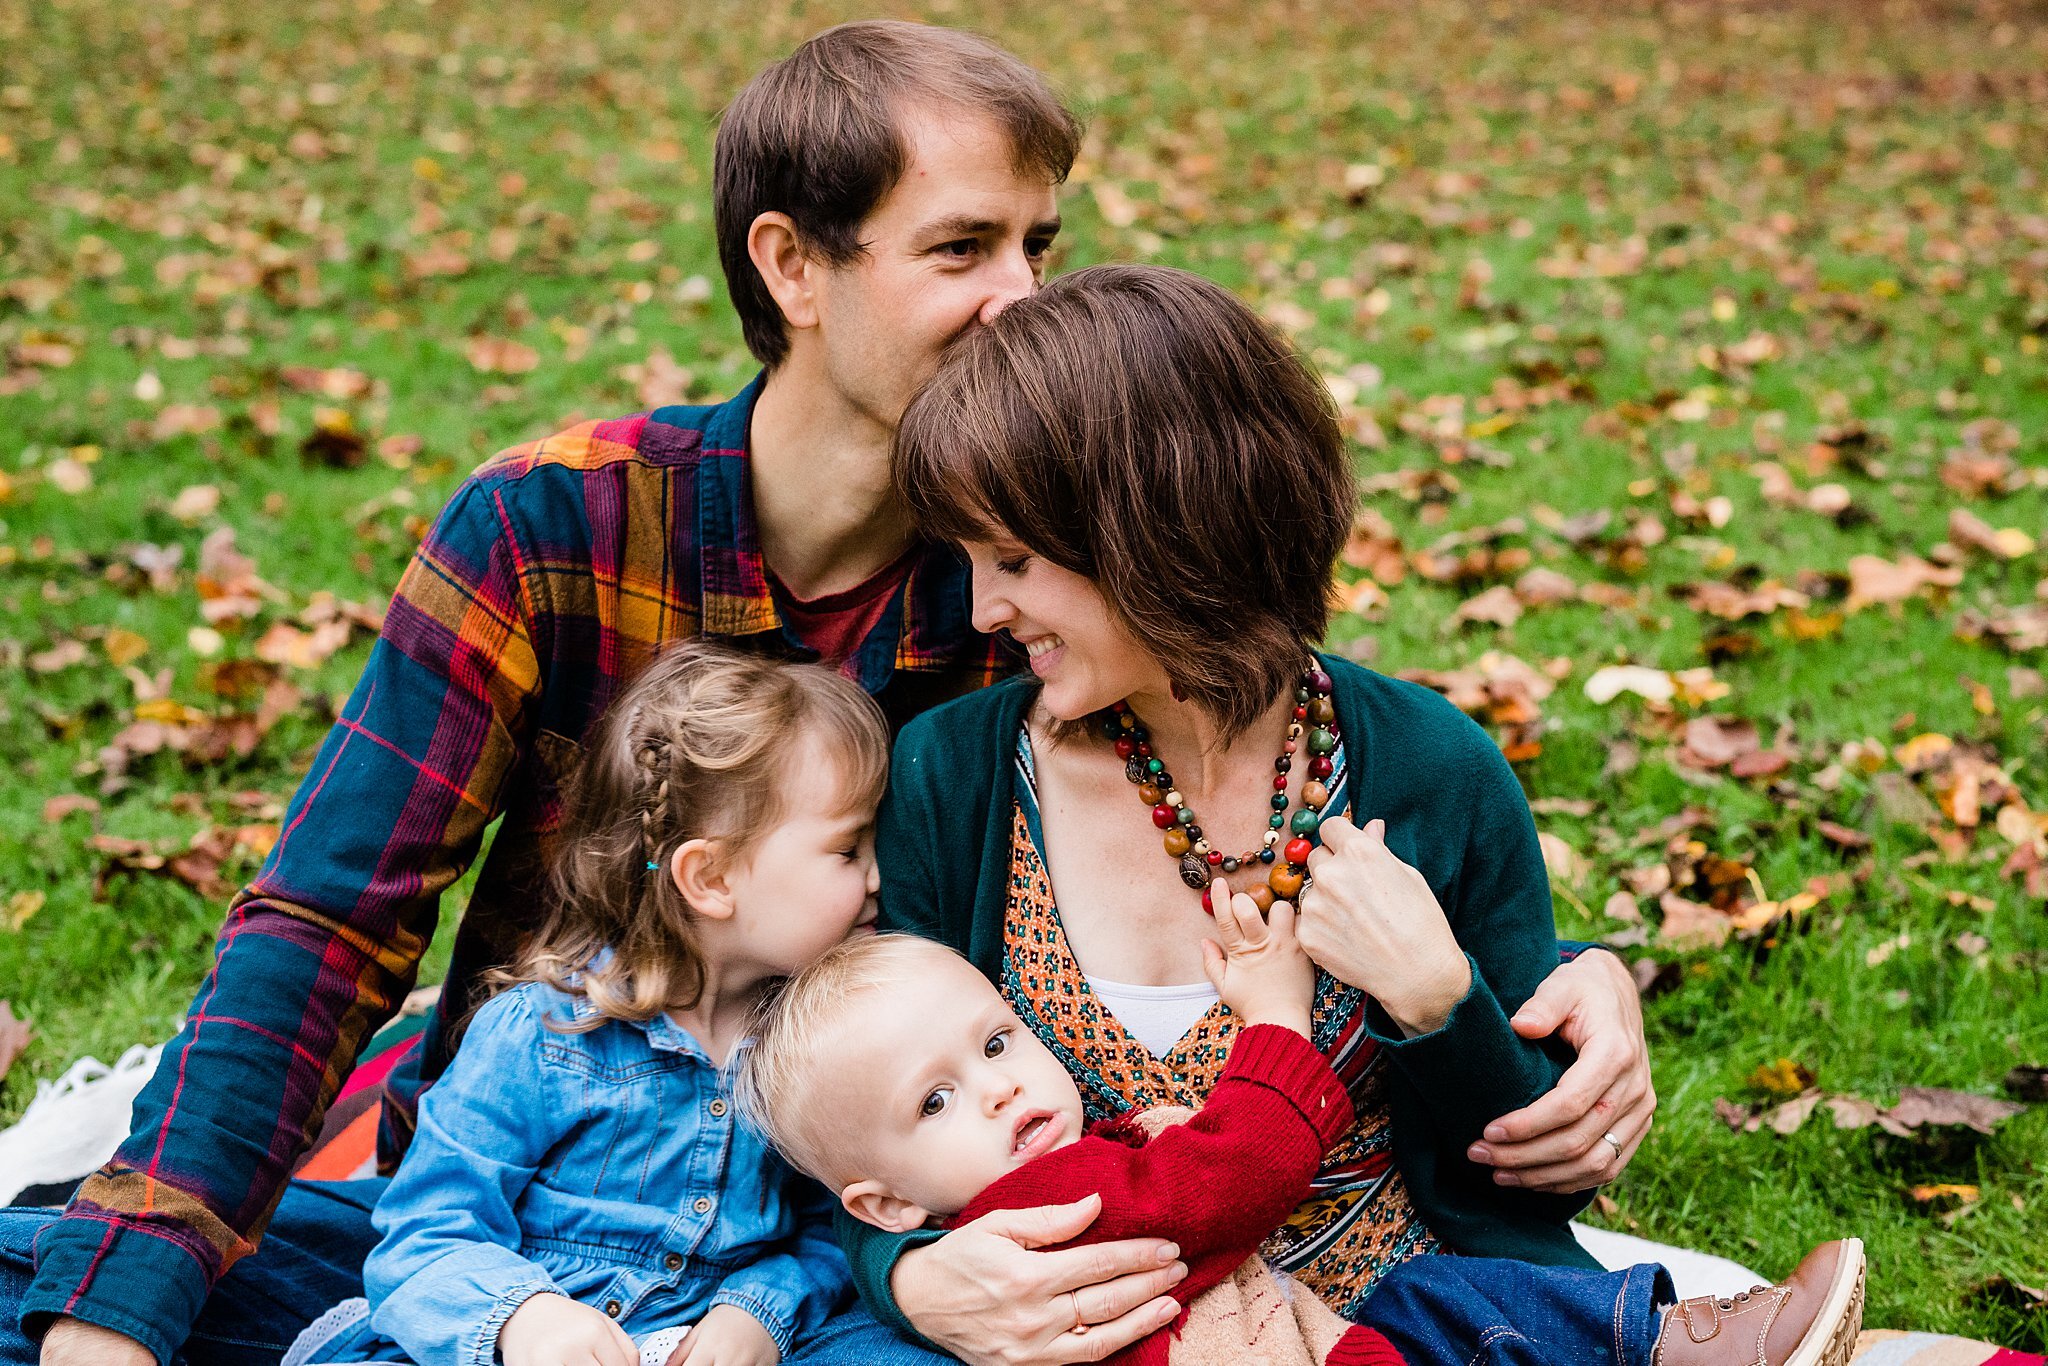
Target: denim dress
609 1166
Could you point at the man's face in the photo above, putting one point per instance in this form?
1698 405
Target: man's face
959 238
949 1091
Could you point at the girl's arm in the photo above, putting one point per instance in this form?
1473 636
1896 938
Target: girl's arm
448 1273
792 1292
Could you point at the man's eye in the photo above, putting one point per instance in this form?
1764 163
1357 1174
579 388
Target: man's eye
997 1045
934 1104
1036 247
962 249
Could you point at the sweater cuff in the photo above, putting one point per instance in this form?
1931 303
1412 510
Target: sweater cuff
1477 1042
114 1275
1363 1346
1276 1057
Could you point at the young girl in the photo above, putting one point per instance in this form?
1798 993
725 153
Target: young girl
580 1188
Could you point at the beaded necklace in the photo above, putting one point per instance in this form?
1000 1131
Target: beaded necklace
1315 717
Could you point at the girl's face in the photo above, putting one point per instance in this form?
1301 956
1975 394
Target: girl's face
1084 655
811 881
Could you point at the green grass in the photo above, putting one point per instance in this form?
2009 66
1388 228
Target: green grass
1864 183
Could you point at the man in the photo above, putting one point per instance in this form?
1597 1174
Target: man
877 193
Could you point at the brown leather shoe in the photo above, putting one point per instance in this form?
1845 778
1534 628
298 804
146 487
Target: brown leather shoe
1809 1320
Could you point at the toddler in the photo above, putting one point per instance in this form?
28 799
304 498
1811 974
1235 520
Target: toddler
579 1188
893 1071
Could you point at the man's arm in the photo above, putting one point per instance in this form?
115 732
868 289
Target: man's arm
319 950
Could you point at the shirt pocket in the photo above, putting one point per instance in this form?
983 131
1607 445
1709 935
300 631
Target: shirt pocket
633 1143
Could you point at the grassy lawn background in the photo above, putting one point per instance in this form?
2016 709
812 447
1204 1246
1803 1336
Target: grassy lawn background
291 270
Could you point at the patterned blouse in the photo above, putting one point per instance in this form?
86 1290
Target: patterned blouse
1358 1221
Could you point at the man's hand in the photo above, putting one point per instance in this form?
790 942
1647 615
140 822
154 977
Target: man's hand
1559 1143
726 1336
74 1342
978 1293
1256 964
554 1330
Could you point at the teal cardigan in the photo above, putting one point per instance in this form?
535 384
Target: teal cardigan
1453 810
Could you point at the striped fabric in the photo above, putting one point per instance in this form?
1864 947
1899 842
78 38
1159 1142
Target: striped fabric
551 577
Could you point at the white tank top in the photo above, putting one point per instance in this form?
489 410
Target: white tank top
1156 1017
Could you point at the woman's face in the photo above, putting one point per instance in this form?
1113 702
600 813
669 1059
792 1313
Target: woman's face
1084 655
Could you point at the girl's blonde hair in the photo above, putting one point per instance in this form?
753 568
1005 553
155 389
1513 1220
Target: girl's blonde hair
703 744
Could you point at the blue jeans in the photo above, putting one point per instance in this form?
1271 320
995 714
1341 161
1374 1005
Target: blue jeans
1455 1311
311 1259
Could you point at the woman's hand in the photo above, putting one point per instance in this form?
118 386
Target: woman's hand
1257 964
1559 1143
727 1335
978 1293
1372 922
554 1330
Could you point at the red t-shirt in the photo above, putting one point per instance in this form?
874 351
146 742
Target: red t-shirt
836 624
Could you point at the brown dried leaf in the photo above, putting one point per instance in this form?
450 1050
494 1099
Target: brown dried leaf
1922 1105
1691 924
1715 741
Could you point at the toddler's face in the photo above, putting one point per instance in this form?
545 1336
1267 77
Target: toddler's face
810 881
943 1090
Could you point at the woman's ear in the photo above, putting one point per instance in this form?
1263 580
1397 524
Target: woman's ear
786 270
699 868
871 1203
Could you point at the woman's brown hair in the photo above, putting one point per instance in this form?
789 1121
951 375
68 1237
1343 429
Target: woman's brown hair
701 745
1141 426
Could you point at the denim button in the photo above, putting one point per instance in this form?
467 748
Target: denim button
718 1109
612 1309
702 1204
673 1261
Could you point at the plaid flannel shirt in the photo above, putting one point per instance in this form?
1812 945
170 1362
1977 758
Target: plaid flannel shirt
551 577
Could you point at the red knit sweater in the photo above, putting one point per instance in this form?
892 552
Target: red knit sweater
1217 1185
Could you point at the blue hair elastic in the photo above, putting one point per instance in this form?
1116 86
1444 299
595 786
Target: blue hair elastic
652 865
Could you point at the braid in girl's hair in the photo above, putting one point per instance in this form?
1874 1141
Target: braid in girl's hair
698 747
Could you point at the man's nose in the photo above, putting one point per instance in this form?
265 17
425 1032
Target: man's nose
1017 278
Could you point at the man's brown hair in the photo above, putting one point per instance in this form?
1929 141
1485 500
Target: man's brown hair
1144 428
817 136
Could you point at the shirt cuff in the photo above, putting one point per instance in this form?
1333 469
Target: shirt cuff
114 1275
780 1324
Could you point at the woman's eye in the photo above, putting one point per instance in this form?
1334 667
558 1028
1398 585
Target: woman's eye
1012 566
934 1104
997 1045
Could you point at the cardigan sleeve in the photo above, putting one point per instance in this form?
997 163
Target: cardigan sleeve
1474 1068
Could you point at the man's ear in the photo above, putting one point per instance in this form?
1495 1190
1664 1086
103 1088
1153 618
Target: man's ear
788 272
700 869
870 1203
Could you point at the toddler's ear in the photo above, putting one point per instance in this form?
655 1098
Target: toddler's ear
698 867
871 1203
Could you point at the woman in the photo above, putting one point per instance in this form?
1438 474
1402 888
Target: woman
1152 491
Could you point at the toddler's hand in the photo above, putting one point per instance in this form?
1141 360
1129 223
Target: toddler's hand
726 1336
554 1330
1256 964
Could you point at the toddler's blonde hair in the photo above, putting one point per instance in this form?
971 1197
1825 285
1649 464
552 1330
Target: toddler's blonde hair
776 1076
